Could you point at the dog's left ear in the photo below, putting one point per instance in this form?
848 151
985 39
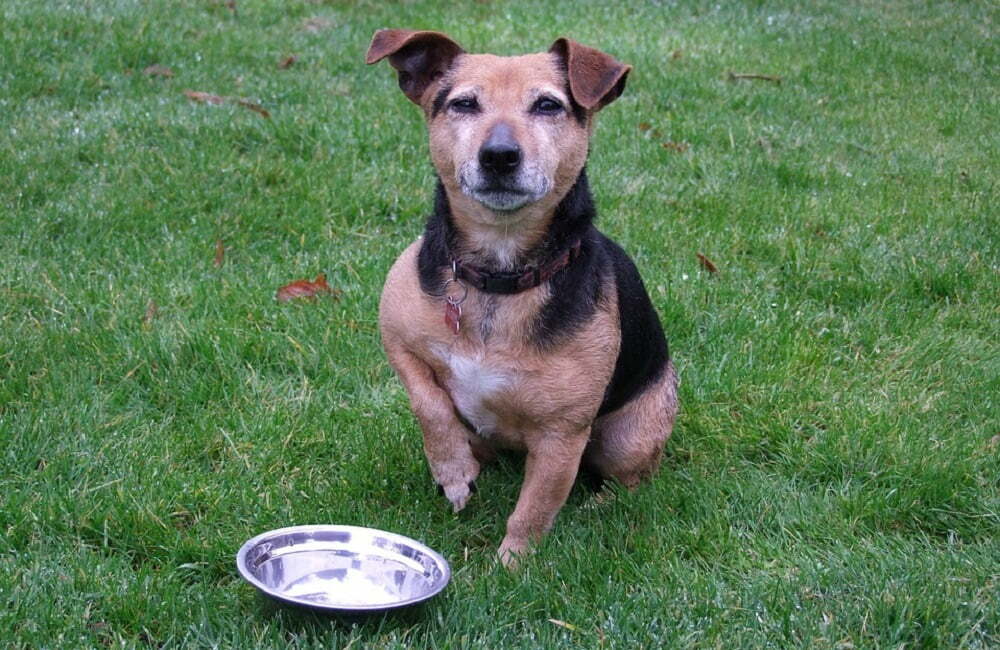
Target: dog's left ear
595 79
420 58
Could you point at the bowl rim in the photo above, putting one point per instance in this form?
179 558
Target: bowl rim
246 574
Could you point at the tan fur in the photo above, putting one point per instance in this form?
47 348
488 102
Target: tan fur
515 394
628 443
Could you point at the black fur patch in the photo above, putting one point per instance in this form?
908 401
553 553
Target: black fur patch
644 353
576 290
439 100
579 112
439 238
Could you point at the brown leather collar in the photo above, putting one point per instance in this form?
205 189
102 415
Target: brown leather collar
510 282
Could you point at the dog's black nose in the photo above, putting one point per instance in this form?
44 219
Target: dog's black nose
500 154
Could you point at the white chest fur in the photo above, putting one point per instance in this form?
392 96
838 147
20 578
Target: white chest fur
472 384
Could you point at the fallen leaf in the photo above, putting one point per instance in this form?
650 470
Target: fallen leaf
288 62
645 126
568 626
256 108
220 253
994 441
305 289
231 5
151 310
204 98
679 147
676 54
157 70
753 76
707 264
317 24
209 98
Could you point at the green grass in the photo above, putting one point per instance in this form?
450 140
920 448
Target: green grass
834 478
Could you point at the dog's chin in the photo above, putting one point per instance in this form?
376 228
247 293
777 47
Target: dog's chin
503 196
503 201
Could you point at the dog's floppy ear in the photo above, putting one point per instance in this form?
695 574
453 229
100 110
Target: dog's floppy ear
421 58
595 79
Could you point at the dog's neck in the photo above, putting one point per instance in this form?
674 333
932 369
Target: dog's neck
488 249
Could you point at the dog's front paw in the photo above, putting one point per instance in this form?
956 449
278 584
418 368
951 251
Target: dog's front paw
457 481
510 551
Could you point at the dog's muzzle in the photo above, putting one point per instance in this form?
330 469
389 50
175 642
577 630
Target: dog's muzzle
500 178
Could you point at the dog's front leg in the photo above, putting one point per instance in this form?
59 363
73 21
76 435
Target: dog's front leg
446 442
549 471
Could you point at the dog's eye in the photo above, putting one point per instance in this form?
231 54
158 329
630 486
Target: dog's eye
464 105
546 106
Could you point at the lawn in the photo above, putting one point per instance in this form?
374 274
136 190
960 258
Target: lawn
834 477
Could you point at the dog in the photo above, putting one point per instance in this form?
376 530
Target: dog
512 322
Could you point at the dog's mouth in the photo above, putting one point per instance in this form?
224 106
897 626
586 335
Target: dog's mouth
501 199
502 194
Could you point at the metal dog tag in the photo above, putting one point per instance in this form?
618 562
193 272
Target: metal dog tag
453 305
453 315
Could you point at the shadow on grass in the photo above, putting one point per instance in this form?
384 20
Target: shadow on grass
302 621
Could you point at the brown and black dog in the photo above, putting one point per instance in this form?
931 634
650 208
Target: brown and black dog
512 322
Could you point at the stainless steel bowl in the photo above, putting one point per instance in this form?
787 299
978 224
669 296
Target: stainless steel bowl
342 568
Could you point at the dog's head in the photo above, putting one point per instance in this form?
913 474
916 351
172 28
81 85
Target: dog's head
508 135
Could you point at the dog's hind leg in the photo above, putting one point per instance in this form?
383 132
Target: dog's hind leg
628 443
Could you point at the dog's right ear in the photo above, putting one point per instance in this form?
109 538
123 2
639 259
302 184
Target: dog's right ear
421 58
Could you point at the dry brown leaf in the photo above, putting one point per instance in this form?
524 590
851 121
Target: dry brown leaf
645 126
679 147
676 54
305 289
753 76
707 264
209 98
157 70
204 98
256 108
151 311
288 62
568 626
317 24
220 253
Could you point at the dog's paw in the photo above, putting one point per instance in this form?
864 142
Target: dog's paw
457 481
458 494
511 550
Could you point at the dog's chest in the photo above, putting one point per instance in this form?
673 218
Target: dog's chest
478 386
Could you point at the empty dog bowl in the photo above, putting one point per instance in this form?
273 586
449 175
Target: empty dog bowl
342 568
